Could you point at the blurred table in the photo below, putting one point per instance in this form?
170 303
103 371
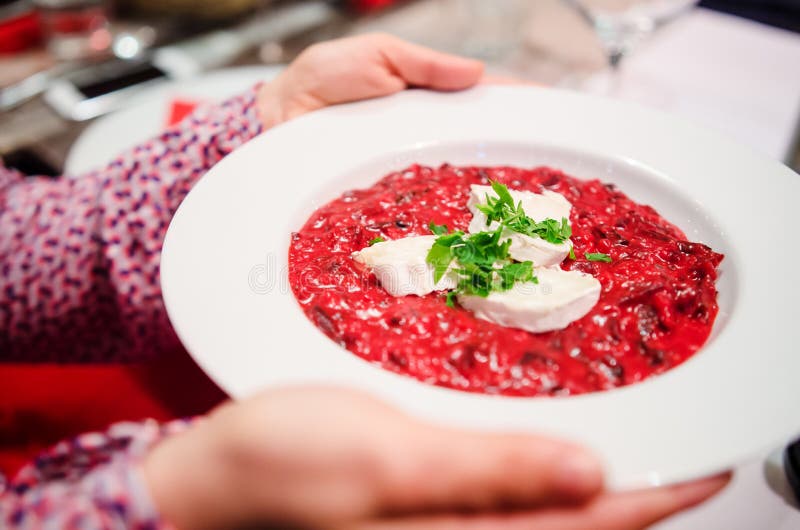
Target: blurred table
726 73
721 71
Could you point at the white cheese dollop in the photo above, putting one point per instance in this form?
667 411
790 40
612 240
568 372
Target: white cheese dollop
537 206
401 268
560 297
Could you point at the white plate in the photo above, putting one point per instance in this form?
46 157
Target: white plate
145 115
225 260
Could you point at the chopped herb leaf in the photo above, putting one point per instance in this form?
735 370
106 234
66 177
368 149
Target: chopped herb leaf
378 239
566 229
571 253
483 263
502 209
598 256
440 257
515 272
502 193
438 229
450 299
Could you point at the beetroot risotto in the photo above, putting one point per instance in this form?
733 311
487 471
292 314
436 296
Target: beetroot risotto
656 306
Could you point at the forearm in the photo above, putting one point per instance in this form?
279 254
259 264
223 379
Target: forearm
80 257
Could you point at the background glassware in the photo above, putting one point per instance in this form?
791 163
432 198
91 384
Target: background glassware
490 30
75 29
620 25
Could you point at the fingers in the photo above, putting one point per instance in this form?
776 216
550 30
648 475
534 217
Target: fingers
636 510
423 67
357 68
396 465
624 511
457 470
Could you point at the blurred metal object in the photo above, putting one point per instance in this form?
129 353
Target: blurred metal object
193 9
75 29
28 76
791 465
127 44
222 47
14 95
100 88
104 87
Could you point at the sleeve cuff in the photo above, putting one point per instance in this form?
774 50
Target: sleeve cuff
94 479
124 486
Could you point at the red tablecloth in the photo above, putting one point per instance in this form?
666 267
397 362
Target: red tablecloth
43 403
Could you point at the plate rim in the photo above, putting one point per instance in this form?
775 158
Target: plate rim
353 111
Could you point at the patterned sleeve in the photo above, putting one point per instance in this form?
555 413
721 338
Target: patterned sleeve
91 482
79 257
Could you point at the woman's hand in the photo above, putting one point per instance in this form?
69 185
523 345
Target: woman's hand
355 68
321 458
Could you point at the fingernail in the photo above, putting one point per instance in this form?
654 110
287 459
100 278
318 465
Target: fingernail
693 493
580 474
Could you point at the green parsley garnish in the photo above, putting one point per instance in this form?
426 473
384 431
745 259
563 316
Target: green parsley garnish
598 256
502 210
483 262
450 298
441 254
572 253
376 240
516 272
438 229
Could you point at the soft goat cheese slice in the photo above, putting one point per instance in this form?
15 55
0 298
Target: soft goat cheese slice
538 206
559 298
401 267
